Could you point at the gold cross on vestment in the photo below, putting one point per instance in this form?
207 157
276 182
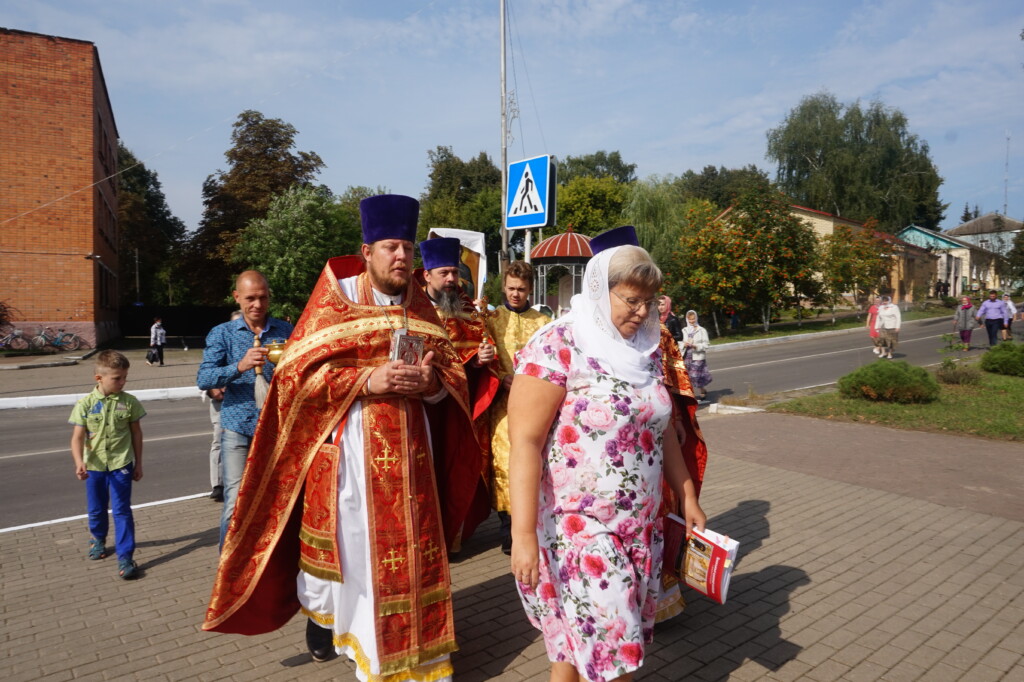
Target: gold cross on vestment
387 456
430 551
393 560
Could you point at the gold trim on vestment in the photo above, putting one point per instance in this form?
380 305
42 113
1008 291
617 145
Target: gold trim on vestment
424 673
408 668
328 574
392 607
317 541
325 619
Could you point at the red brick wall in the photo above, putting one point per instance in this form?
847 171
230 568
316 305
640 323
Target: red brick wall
58 139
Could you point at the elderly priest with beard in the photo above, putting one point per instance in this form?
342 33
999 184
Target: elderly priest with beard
338 514
465 464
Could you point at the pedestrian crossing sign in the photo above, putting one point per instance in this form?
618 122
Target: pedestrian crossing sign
531 193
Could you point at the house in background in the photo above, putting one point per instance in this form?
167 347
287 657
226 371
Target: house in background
58 186
992 231
914 268
965 267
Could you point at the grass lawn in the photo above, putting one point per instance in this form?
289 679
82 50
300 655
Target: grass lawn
811 325
991 409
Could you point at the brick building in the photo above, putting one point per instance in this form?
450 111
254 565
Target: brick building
58 190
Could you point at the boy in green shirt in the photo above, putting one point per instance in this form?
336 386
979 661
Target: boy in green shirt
106 445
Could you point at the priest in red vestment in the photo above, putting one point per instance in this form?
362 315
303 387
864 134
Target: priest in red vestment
338 513
465 467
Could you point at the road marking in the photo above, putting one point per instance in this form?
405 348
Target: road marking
85 516
801 358
145 440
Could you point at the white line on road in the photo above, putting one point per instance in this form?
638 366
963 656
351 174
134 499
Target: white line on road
85 516
145 440
803 358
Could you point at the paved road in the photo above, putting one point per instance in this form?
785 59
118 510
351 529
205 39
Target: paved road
817 359
35 457
35 444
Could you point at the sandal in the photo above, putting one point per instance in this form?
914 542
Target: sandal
127 569
97 549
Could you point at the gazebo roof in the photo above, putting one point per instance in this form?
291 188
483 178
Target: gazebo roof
562 246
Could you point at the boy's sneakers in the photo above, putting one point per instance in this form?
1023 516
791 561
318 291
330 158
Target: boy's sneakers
97 548
127 569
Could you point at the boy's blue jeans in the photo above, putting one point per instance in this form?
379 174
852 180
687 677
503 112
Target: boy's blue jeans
113 488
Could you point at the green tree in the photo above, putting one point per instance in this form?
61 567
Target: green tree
1014 263
464 195
855 162
591 204
303 228
756 256
722 185
150 236
851 261
966 216
600 164
262 164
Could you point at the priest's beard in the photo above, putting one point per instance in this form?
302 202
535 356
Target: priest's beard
449 302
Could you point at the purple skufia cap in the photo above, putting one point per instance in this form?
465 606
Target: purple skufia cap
389 216
441 252
619 236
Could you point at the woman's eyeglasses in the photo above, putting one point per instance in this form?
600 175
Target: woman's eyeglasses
634 304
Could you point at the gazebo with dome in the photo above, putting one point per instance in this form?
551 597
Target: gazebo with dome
565 251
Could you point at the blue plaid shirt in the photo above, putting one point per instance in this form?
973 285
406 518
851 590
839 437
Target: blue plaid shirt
225 345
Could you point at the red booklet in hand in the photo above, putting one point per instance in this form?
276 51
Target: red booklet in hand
704 561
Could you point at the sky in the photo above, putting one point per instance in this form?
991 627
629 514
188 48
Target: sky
673 85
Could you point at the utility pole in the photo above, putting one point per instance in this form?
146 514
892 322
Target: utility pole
503 256
1006 173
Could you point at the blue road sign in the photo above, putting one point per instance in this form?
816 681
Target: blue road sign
531 190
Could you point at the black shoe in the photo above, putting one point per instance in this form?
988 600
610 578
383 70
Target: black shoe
217 494
505 522
320 641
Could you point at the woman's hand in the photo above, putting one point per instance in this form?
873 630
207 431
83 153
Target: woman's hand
525 555
693 514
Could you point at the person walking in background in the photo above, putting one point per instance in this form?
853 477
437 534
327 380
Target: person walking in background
229 360
668 319
888 323
695 353
1012 310
963 322
876 338
157 339
106 445
996 317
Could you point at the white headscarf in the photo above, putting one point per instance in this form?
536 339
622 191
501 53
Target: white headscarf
597 337
696 320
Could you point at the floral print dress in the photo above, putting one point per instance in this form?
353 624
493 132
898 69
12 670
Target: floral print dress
598 533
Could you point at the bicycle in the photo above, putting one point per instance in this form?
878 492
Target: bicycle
15 340
59 340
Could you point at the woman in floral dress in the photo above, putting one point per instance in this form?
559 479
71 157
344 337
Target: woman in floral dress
587 415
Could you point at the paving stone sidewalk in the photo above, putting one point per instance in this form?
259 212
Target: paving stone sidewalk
837 580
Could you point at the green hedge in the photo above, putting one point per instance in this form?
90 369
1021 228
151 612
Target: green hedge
1006 358
888 381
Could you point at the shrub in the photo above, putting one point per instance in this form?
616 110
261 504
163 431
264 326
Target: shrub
953 372
1006 358
896 382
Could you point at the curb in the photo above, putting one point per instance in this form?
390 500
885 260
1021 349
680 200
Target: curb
57 363
719 408
26 402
